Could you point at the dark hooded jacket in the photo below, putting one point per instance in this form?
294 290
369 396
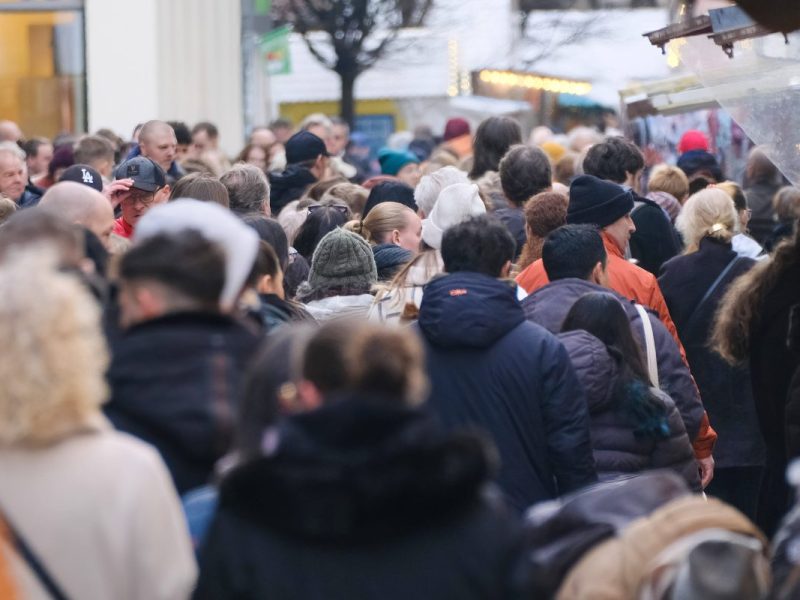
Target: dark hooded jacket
491 369
288 186
617 451
175 383
726 391
361 499
548 307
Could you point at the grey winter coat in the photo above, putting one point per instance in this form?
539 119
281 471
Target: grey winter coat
616 450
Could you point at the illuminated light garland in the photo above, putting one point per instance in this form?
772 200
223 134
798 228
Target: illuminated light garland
535 82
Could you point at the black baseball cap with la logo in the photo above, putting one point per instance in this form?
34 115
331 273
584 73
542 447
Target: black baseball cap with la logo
146 174
83 174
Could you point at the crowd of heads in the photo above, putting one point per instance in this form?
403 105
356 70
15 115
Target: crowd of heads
293 262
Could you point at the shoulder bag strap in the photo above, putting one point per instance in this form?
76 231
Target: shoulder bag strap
33 561
709 292
650 345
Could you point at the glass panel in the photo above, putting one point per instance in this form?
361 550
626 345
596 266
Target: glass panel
42 71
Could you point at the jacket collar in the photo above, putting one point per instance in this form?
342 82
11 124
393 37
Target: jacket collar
611 245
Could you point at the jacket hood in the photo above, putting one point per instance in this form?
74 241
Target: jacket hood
357 470
596 369
468 309
294 176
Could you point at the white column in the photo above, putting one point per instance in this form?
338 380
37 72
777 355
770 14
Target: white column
200 75
121 63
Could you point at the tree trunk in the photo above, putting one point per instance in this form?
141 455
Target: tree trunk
347 107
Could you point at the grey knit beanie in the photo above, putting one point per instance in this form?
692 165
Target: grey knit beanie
342 259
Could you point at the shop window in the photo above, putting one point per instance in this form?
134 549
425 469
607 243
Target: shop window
42 67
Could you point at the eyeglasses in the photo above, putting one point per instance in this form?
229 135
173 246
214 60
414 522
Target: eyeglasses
145 198
345 210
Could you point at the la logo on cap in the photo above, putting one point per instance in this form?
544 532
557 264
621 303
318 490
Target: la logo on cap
87 177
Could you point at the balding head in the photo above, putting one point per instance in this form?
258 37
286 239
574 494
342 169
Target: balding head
83 205
157 142
10 132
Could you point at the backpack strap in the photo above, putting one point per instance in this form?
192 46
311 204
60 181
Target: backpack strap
650 345
710 291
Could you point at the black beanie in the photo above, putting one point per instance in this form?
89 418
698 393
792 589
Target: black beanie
597 202
390 191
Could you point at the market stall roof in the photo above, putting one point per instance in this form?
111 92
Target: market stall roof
667 96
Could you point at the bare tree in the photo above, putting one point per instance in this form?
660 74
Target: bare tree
358 33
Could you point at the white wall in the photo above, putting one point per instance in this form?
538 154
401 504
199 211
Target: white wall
200 75
121 64
167 59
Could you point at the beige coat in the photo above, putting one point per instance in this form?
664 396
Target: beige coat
614 570
100 511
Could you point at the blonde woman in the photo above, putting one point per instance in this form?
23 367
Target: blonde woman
394 231
95 507
399 302
693 285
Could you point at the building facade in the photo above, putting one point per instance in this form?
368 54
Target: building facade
79 65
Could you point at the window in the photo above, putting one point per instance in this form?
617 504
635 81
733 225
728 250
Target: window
43 73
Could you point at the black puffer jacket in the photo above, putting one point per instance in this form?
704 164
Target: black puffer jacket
616 450
175 383
361 499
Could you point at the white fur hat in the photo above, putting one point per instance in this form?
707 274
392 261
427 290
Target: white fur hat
237 240
427 191
456 204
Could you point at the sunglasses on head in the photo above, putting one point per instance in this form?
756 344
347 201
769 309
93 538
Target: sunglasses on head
340 207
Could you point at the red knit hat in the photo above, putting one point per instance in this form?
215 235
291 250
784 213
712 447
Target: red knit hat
693 140
456 128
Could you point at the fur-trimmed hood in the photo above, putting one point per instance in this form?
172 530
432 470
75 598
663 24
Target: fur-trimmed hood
358 470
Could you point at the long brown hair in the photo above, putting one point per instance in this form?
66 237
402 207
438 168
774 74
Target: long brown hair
739 310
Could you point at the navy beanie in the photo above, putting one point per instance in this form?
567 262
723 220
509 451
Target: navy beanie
597 202
696 161
390 191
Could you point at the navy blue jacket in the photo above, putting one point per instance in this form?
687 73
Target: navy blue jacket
492 369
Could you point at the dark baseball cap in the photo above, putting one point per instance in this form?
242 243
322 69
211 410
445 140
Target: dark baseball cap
83 174
146 174
303 146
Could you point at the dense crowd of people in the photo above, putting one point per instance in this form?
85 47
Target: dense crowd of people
464 367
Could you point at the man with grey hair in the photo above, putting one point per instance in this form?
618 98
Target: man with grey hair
14 176
248 190
82 205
